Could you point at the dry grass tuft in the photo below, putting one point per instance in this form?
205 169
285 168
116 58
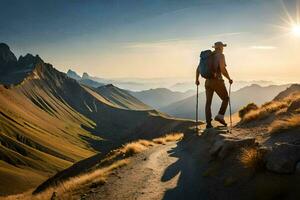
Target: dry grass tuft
264 111
251 158
159 141
285 124
132 148
146 143
247 109
168 138
97 176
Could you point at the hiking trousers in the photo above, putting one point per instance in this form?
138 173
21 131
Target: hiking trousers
218 86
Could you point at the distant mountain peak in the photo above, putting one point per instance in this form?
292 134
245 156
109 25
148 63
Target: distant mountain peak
29 59
13 70
3 45
109 85
7 57
85 76
73 74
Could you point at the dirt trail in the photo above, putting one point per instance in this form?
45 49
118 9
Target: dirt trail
171 171
154 174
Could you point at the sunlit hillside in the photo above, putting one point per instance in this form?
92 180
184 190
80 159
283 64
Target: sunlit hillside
49 121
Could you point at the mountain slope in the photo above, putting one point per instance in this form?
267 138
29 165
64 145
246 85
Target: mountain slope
49 121
254 93
39 134
280 114
293 89
121 98
160 97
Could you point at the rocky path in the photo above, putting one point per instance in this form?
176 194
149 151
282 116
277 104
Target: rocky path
148 176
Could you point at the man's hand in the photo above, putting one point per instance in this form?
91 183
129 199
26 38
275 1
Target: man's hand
230 81
197 82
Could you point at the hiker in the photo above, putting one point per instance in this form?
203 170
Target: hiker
212 66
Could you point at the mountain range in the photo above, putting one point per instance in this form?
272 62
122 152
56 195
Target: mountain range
160 97
253 93
182 104
49 121
156 98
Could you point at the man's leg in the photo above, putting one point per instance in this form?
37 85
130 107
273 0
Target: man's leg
223 94
209 95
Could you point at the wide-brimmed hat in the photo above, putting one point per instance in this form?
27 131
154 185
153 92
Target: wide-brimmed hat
219 44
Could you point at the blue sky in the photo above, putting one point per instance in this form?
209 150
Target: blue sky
151 38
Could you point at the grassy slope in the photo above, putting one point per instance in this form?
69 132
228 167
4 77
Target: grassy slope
283 107
49 121
37 133
121 98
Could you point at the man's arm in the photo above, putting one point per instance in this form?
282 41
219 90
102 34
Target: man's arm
224 70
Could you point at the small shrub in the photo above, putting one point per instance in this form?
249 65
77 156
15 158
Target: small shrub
251 158
285 124
246 109
133 148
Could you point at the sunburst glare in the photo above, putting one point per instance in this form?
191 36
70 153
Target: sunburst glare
296 30
291 21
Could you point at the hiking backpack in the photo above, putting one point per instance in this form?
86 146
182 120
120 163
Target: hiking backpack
206 67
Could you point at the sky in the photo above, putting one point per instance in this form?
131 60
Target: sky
156 38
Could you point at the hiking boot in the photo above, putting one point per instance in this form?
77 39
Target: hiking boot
208 126
220 118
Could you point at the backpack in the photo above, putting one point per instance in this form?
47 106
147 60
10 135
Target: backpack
206 67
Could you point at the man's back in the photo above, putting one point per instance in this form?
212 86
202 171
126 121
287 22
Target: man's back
218 62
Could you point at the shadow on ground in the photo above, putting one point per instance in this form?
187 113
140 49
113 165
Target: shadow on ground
190 184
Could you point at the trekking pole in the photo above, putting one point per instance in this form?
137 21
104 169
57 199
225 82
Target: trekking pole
197 110
230 108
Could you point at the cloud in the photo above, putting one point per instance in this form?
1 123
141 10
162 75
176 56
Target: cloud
262 47
178 41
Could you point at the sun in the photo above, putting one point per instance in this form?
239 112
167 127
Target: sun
296 30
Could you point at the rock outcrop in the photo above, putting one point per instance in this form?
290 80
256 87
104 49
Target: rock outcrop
283 158
8 59
13 70
224 144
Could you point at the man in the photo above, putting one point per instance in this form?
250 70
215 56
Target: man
216 84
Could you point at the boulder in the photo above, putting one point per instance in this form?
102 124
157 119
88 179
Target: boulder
283 158
223 145
231 145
